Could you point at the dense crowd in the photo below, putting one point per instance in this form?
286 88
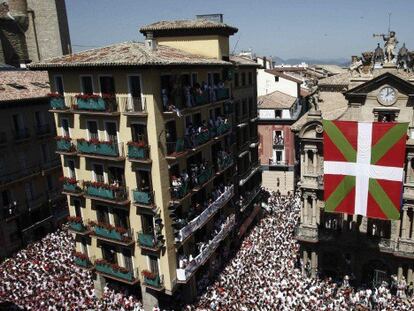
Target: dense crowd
265 274
44 277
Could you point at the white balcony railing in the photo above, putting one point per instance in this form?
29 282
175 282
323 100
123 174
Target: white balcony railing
184 274
201 219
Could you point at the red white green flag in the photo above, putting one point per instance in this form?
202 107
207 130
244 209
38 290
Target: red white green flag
363 167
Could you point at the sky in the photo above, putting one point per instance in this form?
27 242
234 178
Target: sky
322 29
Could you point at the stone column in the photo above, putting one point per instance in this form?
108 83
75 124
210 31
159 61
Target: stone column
314 264
149 300
400 273
99 284
315 162
305 260
302 211
306 169
404 221
305 208
313 222
302 165
409 171
409 275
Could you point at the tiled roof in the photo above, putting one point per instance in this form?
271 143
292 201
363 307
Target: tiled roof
284 75
187 24
243 61
128 54
332 106
23 84
275 100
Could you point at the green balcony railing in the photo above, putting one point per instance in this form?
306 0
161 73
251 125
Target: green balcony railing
142 197
93 104
64 145
102 148
224 163
147 240
180 192
104 268
155 282
116 193
202 138
76 226
82 262
204 176
57 103
223 128
135 152
201 99
176 147
107 233
222 94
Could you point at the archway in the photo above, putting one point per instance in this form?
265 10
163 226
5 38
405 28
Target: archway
374 272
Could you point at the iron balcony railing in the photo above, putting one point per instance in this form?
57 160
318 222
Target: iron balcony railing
101 148
132 105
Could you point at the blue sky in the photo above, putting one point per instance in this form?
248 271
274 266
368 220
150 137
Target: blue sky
291 28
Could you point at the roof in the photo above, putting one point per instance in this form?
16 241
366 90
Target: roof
128 54
275 100
243 61
22 84
189 25
332 106
283 75
334 69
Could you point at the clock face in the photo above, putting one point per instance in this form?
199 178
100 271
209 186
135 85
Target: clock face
387 96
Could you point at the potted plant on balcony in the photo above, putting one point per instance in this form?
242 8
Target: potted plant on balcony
76 223
150 278
81 259
136 149
69 184
90 102
56 101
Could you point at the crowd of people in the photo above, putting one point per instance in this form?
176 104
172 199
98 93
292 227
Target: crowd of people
265 274
44 277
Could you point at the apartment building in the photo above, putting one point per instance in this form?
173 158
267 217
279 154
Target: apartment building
157 140
31 202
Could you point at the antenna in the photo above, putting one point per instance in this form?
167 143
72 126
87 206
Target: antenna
237 42
389 22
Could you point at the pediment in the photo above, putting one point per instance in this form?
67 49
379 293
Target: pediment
387 78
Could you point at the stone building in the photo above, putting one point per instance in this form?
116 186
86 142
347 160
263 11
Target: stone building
31 203
32 30
368 250
149 133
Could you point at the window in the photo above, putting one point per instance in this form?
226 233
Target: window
127 259
102 214
98 174
386 116
116 175
39 118
250 78
236 79
84 246
134 83
107 84
18 122
279 157
86 85
65 127
243 79
111 133
109 254
143 180
77 205
138 132
59 85
216 78
92 130
276 79
45 153
153 261
71 169
278 114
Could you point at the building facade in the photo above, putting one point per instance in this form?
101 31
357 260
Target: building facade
32 30
31 201
333 244
157 140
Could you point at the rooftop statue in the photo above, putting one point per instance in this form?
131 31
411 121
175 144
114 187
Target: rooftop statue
404 59
390 44
356 66
378 56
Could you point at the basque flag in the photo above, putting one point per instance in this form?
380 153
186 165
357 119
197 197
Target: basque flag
364 167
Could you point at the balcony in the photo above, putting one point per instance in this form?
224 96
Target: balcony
83 261
179 192
21 134
203 218
176 148
222 94
95 104
57 102
112 234
224 162
106 193
247 198
114 271
143 198
184 274
76 225
138 152
100 149
278 144
148 241
133 106
64 145
153 280
70 186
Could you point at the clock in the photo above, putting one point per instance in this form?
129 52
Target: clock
387 96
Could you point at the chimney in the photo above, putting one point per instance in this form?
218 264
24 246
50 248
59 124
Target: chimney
150 42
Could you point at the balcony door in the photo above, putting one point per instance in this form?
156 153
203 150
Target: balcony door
102 214
134 85
111 132
86 85
71 169
143 180
147 224
98 173
139 132
109 254
153 262
116 175
18 122
121 219
92 130
40 118
64 123
107 84
127 259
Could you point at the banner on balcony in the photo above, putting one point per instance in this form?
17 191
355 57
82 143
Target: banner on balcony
363 167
